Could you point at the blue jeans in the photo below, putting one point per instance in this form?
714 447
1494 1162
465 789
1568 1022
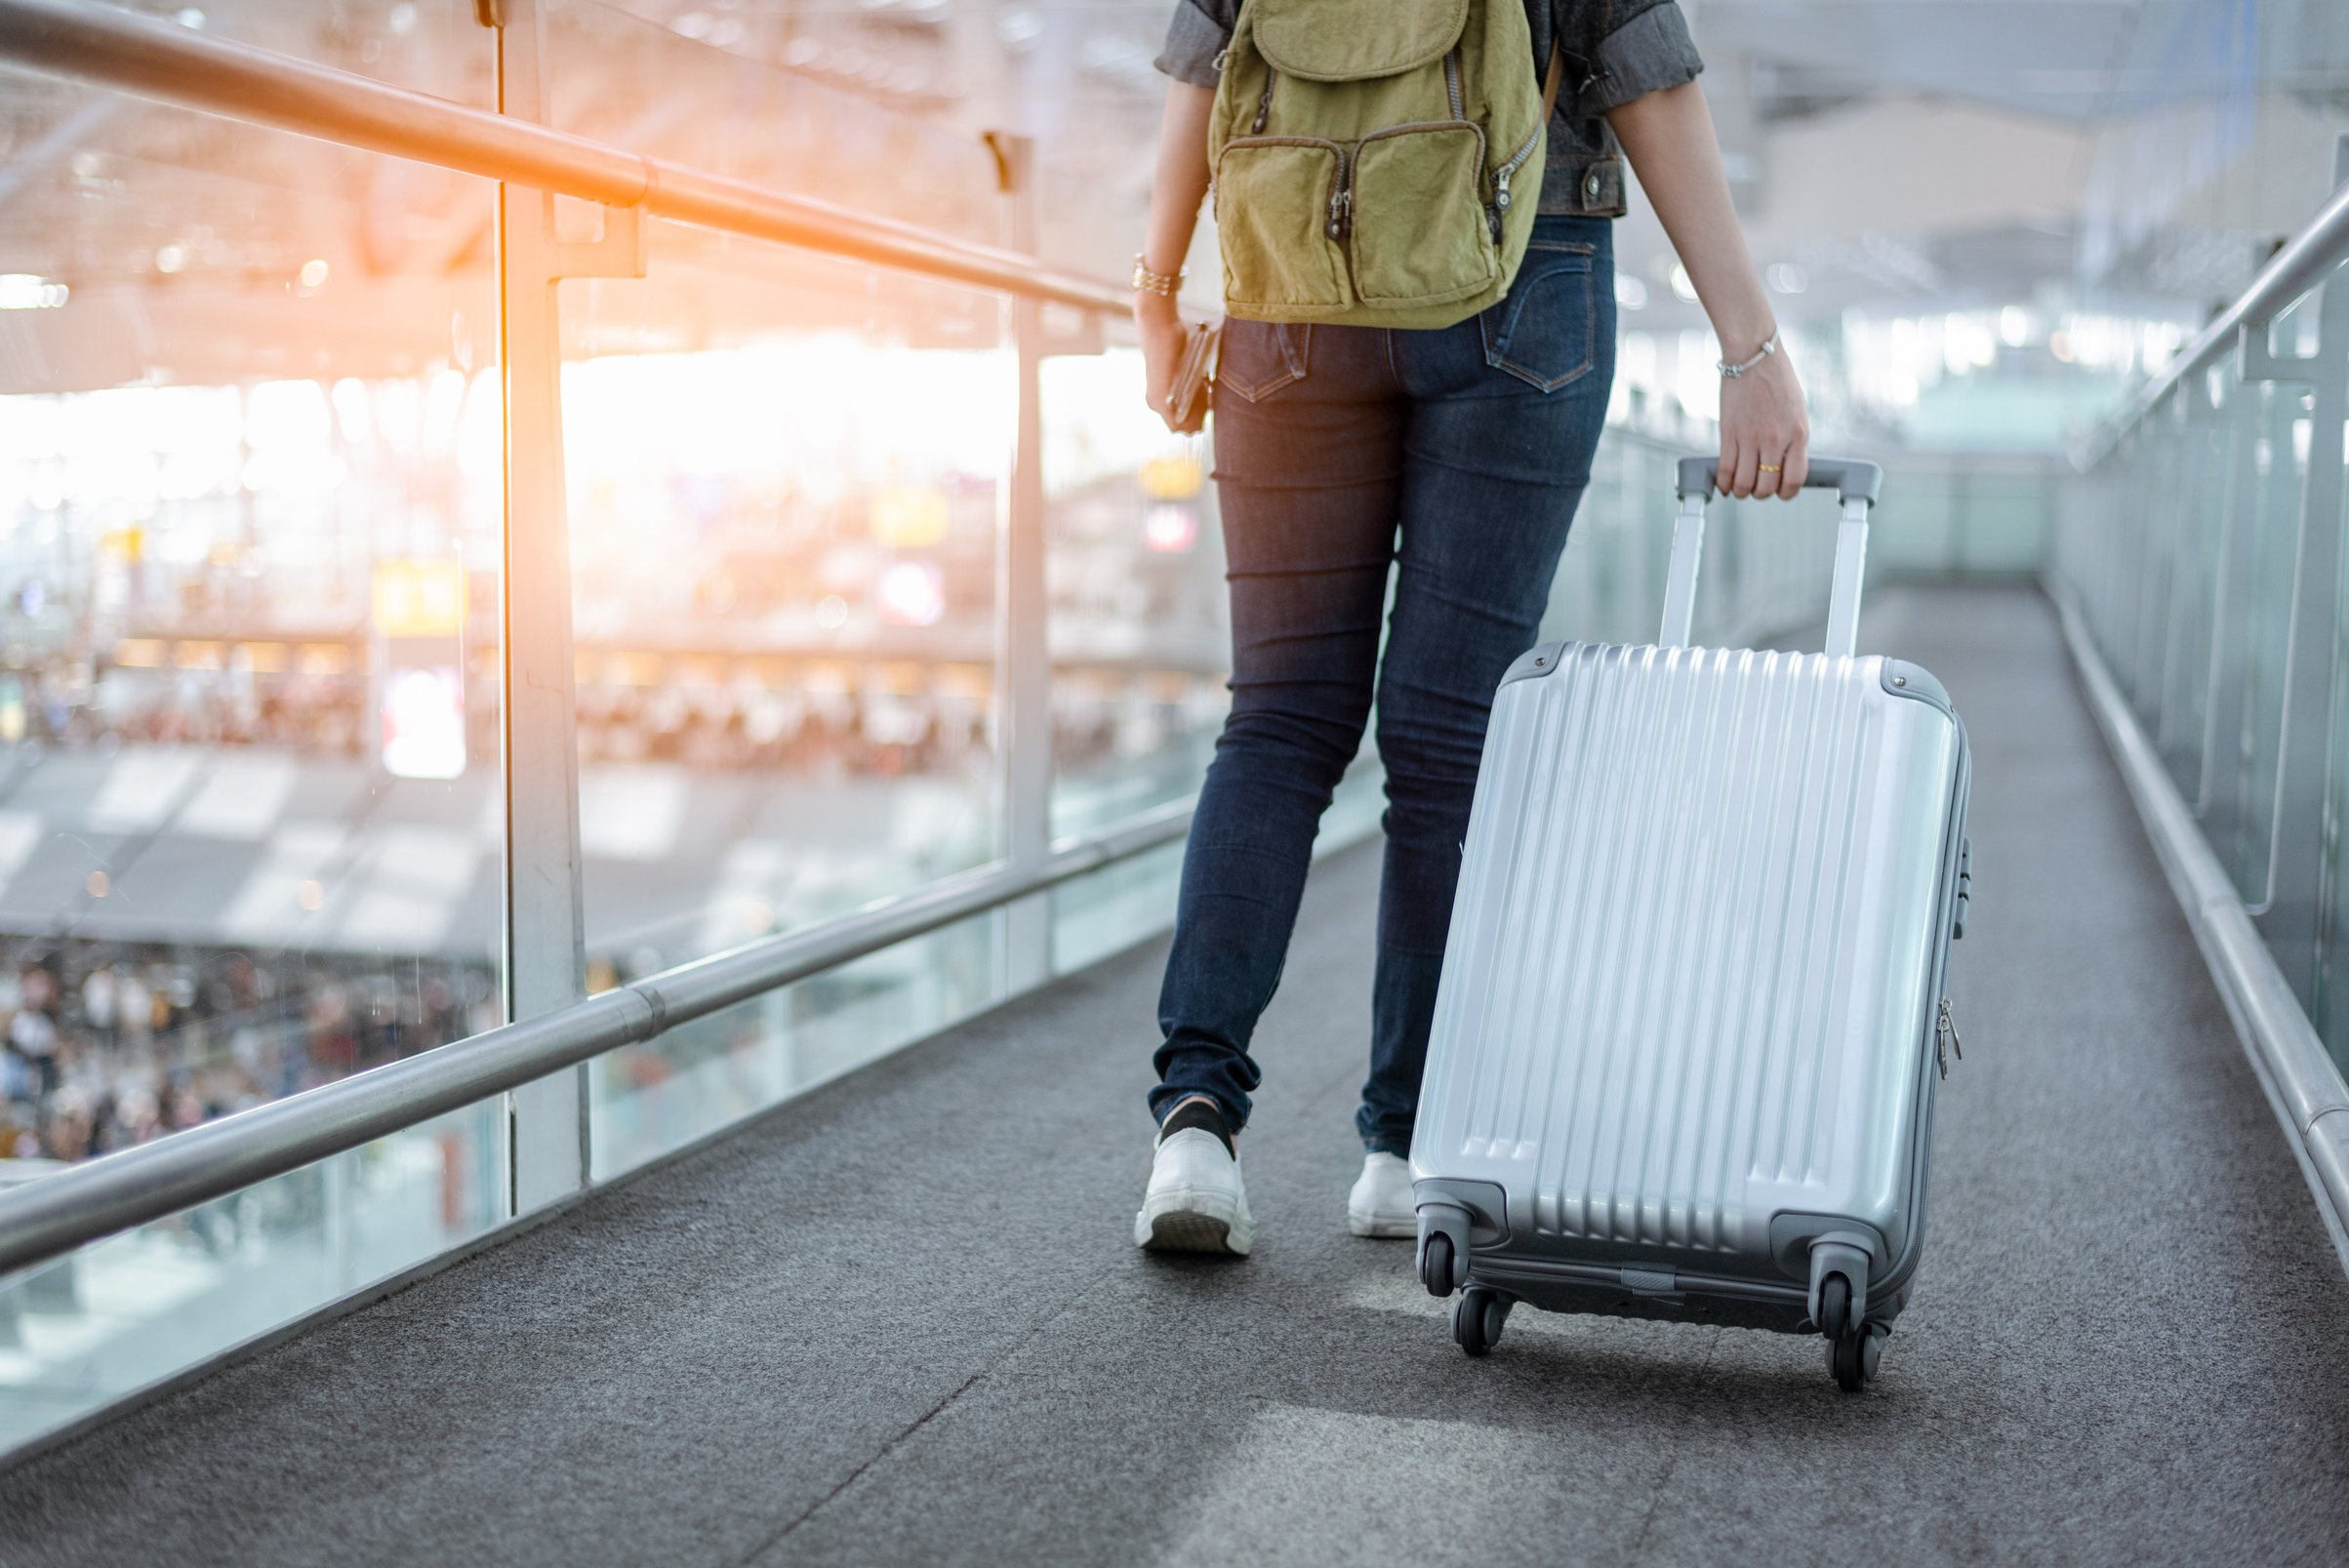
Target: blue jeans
1455 458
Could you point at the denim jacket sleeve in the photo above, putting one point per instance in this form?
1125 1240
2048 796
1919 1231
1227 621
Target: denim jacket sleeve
1632 48
1195 37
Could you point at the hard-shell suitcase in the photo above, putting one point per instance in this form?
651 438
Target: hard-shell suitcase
1692 1012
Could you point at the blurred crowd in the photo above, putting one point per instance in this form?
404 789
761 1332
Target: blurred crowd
50 701
103 1050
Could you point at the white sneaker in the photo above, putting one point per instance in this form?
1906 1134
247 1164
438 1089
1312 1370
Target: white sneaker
1381 1203
1196 1201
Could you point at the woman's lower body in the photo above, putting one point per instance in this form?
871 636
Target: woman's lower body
1452 461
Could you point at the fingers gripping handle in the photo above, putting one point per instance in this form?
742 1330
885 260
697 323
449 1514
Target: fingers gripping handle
1850 478
1855 482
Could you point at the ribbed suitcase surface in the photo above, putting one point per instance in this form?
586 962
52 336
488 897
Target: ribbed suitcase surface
1695 960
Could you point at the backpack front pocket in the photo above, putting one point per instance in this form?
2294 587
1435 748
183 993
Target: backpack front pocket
1420 234
1278 208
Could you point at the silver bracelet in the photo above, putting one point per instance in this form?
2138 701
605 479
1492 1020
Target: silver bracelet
1732 371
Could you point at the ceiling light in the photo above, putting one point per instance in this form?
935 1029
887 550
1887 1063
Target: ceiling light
22 291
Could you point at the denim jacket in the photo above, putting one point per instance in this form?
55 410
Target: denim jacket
1615 51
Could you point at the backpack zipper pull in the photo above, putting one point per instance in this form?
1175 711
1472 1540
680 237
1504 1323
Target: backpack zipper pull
1945 1038
1264 105
1341 213
1499 203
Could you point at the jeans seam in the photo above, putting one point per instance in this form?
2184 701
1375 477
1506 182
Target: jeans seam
1252 574
1541 482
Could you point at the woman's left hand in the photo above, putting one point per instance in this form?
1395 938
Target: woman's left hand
1765 432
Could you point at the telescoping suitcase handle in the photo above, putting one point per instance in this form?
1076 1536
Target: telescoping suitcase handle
1855 482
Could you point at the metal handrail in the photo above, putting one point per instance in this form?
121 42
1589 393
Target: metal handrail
88 1202
2299 267
164 62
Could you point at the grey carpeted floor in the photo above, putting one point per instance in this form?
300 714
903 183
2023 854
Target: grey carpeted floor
900 1321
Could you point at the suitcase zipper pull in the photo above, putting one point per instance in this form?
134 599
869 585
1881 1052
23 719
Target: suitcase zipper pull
1945 1038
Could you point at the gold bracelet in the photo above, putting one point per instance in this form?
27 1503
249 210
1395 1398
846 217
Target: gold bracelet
1159 283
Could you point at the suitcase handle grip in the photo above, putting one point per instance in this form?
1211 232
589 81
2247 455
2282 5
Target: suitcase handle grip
1850 478
1856 481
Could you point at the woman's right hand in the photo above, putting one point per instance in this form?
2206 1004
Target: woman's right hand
1161 326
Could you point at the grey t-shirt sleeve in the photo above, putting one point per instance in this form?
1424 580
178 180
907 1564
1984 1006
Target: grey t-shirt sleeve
1195 37
1647 54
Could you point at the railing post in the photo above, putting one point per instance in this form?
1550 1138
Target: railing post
1022 642
546 930
2262 377
2298 859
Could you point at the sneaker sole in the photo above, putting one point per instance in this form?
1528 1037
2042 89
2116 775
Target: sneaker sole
1370 1224
1181 1229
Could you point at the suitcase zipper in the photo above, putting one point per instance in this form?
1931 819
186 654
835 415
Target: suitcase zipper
1945 1038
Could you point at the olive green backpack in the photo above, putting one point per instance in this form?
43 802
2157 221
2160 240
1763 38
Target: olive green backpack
1370 157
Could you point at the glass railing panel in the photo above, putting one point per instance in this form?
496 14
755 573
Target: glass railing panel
2105 552
784 478
249 807
249 480
2184 703
2280 462
704 1076
2328 1006
2126 562
2149 612
119 1315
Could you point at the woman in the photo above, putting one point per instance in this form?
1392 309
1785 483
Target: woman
1455 457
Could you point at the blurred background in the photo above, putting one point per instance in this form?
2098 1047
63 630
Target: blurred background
251 804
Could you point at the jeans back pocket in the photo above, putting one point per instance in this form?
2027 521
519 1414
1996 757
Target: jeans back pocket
1546 333
1258 358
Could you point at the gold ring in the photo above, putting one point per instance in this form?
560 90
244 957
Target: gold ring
1771 467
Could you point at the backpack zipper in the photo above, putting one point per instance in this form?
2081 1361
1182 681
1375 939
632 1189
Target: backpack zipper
1503 175
1264 105
1451 84
1341 199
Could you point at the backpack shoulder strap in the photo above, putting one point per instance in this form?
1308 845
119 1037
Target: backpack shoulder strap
1557 73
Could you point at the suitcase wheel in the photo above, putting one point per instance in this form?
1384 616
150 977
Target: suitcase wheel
1438 1269
1476 1318
1853 1349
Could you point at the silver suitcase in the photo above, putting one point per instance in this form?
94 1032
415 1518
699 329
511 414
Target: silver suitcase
1692 1010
